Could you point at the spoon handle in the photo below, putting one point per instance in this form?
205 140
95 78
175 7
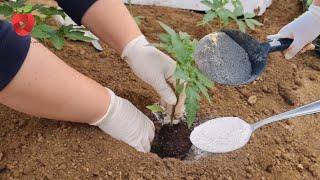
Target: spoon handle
301 111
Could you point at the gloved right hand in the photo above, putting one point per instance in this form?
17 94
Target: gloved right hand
124 122
303 30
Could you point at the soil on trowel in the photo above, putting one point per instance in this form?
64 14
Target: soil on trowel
172 141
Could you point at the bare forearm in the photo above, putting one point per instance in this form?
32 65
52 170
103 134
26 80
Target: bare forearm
112 23
47 87
316 2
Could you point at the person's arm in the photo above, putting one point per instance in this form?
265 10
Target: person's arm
303 30
112 23
35 81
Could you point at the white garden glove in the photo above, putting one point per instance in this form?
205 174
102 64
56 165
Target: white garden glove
124 122
303 30
250 6
152 66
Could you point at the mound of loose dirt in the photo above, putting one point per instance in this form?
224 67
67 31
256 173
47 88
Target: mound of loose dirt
33 148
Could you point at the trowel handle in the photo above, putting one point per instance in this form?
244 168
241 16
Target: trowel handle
279 44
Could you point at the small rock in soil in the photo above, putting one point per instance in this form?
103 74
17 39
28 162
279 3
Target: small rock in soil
300 167
288 156
313 77
252 100
2 168
315 170
1 156
265 89
287 95
299 83
82 52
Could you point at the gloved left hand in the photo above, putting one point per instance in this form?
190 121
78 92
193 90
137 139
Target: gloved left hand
152 66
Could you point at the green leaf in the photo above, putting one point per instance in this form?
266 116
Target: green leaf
51 11
250 24
78 36
208 17
204 80
57 41
168 29
192 105
238 11
155 108
165 38
27 9
249 15
46 28
180 74
204 91
39 33
256 22
139 19
6 10
242 25
176 43
38 20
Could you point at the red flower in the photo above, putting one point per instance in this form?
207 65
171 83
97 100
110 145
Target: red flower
23 23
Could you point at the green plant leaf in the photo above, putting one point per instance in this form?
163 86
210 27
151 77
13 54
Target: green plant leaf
256 22
208 17
37 32
57 41
155 108
6 10
139 19
182 47
78 36
249 15
27 9
51 11
204 91
168 29
180 74
250 24
242 25
192 105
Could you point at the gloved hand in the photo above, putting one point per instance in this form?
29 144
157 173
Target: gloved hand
124 122
250 6
152 66
303 30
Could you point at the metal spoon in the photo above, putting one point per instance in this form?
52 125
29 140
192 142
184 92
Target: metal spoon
223 135
257 53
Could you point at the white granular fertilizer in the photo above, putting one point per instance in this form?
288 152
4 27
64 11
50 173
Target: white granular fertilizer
221 135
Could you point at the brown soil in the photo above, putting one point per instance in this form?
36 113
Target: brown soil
172 141
33 148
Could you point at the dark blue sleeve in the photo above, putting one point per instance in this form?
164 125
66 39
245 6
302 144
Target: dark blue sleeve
76 8
13 51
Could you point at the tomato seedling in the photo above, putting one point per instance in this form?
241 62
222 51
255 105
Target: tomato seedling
218 10
181 46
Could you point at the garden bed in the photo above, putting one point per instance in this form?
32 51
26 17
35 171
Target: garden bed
31 147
